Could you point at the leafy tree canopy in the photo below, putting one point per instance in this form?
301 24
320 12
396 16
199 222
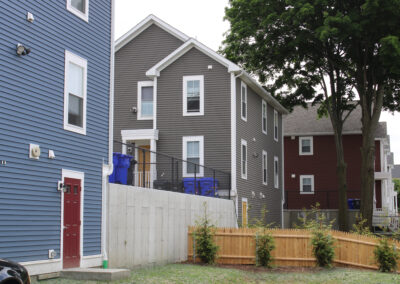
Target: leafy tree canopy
291 45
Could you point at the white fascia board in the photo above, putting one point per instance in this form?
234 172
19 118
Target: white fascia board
262 92
143 25
188 45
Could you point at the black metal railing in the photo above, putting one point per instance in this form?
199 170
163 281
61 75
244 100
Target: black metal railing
151 169
328 199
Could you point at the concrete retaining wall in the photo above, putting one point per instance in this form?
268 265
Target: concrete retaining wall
148 227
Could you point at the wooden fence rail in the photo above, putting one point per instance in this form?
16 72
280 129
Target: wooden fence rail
293 247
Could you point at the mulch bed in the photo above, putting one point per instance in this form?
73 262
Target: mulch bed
253 268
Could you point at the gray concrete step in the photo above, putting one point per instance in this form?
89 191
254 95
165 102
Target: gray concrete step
95 274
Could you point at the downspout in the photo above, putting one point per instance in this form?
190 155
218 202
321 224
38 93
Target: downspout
108 169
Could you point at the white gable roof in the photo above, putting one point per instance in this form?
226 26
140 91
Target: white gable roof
147 22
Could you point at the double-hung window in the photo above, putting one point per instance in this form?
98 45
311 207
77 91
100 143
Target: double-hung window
264 116
276 121
243 95
306 146
276 172
75 88
264 167
244 158
307 184
193 155
80 8
145 100
193 95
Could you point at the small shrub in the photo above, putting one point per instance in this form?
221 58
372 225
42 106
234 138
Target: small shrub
265 242
360 226
386 256
203 236
323 248
264 246
314 219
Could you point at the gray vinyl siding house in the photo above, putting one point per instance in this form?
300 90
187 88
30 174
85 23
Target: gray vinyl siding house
156 54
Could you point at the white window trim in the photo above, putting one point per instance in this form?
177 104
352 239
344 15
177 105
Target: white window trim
75 59
83 16
241 101
276 178
184 95
276 124
139 97
264 103
264 167
301 153
301 184
243 143
186 139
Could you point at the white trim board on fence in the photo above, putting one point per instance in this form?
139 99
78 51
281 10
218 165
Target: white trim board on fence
148 227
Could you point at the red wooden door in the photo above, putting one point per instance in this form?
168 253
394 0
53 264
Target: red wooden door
72 223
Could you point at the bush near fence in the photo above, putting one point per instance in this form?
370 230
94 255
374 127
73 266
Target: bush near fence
293 248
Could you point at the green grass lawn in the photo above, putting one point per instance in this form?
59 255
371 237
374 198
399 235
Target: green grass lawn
185 273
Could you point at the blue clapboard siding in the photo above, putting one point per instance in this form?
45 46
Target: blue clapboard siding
32 111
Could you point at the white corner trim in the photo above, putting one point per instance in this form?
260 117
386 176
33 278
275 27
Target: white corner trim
243 143
81 176
188 45
276 169
155 103
140 85
233 134
264 105
143 25
83 16
186 139
312 184
185 79
301 153
243 85
75 59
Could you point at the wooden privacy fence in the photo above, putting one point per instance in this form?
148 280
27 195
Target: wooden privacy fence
293 247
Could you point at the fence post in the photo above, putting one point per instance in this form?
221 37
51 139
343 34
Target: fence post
144 168
214 181
194 246
172 173
195 180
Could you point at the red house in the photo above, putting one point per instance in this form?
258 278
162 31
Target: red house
310 161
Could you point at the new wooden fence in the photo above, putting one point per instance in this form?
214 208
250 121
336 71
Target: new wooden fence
293 247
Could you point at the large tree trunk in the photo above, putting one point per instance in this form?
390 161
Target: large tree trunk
371 105
341 174
367 177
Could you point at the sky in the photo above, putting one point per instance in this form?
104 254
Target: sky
203 20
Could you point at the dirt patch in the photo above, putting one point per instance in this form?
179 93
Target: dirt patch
288 269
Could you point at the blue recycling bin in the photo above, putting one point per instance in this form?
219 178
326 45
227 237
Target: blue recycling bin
191 186
208 186
111 178
124 162
350 203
